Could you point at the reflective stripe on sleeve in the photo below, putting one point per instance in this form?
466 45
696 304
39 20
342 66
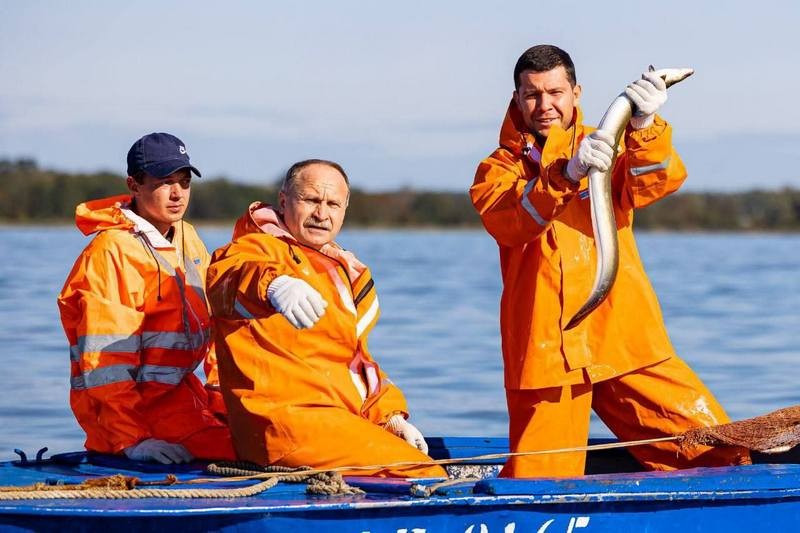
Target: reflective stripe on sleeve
528 206
169 375
172 340
103 376
125 343
638 171
134 343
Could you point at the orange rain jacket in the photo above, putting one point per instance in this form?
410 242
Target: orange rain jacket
135 314
542 224
285 388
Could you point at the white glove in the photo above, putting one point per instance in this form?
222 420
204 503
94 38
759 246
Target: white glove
406 431
648 95
298 301
158 450
595 151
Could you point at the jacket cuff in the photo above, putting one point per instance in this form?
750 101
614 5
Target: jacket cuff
121 446
645 135
389 418
265 283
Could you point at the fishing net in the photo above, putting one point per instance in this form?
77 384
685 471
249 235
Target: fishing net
774 432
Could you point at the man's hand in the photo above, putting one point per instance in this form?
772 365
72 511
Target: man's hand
595 151
158 450
298 301
406 431
648 95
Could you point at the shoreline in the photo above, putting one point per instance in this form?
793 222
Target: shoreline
213 224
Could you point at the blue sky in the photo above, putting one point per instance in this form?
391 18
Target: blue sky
402 94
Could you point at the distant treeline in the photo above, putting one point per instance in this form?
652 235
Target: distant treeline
29 194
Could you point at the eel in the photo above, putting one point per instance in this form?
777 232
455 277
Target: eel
604 224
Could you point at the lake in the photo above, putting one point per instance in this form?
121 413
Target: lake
731 302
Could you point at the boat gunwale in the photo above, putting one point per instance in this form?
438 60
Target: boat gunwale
604 494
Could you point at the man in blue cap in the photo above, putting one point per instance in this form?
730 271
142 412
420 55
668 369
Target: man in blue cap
135 313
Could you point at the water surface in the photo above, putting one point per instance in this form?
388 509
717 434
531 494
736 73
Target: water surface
731 302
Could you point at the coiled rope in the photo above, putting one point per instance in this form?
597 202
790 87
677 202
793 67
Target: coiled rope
322 482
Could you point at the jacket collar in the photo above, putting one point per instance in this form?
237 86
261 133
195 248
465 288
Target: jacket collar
102 214
116 213
264 218
515 137
142 226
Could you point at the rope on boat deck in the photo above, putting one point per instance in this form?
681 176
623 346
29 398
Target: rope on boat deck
426 491
770 433
317 482
40 491
449 461
119 486
323 481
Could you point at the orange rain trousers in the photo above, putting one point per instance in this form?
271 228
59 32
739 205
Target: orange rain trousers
334 437
661 400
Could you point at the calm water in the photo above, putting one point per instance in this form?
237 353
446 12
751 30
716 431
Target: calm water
732 305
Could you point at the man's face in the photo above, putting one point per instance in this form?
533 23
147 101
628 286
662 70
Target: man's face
546 98
162 201
314 205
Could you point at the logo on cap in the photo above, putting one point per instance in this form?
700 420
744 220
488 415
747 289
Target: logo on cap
155 154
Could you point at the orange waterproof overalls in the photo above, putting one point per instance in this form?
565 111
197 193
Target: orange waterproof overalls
135 314
302 397
619 360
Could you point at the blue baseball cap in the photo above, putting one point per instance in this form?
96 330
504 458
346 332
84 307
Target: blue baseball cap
158 154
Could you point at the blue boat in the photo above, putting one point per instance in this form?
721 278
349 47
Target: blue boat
613 496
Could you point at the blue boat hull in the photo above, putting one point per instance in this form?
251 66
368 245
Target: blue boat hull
761 497
757 515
